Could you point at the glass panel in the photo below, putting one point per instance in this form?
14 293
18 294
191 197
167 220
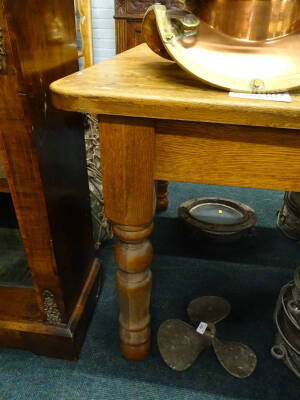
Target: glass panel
13 265
215 213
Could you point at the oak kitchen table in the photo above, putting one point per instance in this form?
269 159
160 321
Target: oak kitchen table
158 123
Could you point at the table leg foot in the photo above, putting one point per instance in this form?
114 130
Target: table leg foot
135 353
162 201
133 255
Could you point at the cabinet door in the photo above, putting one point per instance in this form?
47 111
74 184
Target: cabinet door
134 33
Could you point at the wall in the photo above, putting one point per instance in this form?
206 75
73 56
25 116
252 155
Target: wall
103 29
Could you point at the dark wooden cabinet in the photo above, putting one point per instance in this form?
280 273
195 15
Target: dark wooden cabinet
43 171
128 16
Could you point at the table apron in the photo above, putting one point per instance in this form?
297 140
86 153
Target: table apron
267 158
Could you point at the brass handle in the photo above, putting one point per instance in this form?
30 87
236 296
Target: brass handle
186 20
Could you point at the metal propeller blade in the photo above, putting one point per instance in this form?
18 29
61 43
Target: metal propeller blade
180 343
237 358
209 309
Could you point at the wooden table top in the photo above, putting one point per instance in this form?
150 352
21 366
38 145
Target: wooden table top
138 83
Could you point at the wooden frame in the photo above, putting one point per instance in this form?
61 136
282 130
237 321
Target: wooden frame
83 11
83 14
48 186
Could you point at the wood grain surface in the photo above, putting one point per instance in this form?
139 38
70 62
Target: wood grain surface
63 340
228 155
25 299
43 152
127 164
3 181
127 150
139 83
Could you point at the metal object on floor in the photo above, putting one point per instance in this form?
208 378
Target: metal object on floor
180 343
287 319
242 45
208 308
288 220
218 219
237 358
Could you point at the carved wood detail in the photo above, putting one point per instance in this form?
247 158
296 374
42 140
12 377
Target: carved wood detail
129 15
137 8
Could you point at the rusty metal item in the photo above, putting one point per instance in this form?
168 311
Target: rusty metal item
297 279
242 45
288 220
180 343
208 308
291 302
286 316
238 359
281 351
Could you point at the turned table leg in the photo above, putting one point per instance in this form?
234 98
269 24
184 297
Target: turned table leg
162 200
133 255
127 151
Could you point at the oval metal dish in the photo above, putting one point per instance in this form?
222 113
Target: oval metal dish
217 227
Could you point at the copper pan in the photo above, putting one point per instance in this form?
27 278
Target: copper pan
243 45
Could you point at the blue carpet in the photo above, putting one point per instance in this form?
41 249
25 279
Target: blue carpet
249 274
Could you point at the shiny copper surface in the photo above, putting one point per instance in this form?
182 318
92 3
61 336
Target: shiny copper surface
243 45
220 55
249 19
151 35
